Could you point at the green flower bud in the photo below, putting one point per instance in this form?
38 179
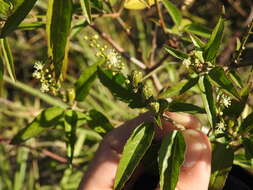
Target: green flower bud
154 106
136 78
147 91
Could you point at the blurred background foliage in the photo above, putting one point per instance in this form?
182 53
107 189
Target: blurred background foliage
41 163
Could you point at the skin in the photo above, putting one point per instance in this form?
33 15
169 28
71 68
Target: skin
194 173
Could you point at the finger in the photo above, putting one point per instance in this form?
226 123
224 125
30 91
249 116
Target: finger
196 169
187 120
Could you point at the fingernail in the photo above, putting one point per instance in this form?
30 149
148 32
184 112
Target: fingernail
195 147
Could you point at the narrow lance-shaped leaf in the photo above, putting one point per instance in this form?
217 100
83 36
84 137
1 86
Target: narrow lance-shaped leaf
19 14
118 86
222 160
220 79
99 122
8 58
198 29
85 4
173 11
59 14
185 107
85 81
48 118
213 44
70 125
133 152
170 159
236 78
196 41
179 88
208 99
176 53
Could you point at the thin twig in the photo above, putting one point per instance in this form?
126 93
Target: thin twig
159 11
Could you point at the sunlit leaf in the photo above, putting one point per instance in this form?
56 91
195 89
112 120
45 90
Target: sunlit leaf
208 99
138 4
196 41
85 81
85 4
59 13
8 58
133 152
1 74
170 158
220 79
213 44
173 11
198 29
176 53
5 9
20 12
48 118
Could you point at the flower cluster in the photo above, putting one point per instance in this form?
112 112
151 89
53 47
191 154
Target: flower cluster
113 58
43 73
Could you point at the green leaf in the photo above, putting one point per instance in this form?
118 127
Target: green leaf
207 99
179 88
196 41
19 14
133 152
222 160
248 146
59 14
220 79
213 44
185 107
176 53
170 159
85 4
236 78
31 26
48 118
247 124
173 11
5 9
118 86
8 59
99 122
85 81
70 125
198 29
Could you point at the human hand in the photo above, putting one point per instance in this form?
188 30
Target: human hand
194 173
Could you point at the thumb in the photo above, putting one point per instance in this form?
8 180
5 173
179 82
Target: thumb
195 171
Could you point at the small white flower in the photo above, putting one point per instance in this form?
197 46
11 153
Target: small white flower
44 87
38 65
37 74
113 57
226 100
220 126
